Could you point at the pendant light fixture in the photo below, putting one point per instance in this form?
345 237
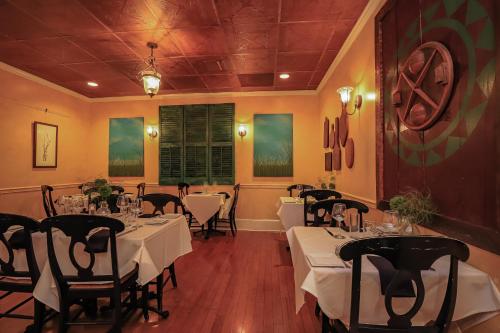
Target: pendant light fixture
149 76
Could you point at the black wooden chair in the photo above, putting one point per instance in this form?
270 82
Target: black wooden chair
13 280
183 190
141 189
305 187
320 208
81 286
231 218
316 195
409 256
160 200
48 203
85 186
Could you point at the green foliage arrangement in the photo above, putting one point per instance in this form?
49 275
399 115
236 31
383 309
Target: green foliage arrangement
103 188
414 205
327 183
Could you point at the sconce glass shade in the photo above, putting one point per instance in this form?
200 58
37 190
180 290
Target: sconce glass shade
345 94
151 82
242 130
152 132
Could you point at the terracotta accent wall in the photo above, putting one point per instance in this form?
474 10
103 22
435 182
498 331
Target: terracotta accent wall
21 103
357 69
259 195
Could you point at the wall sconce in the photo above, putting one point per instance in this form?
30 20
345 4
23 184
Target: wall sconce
152 132
242 130
345 97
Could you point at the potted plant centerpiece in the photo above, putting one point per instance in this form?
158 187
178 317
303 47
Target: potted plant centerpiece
414 208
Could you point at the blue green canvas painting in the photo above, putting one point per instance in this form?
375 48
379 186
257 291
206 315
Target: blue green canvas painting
273 145
126 147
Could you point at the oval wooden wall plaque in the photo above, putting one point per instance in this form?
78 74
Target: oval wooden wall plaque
349 153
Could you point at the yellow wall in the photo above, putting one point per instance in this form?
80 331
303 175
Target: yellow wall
21 103
256 191
356 69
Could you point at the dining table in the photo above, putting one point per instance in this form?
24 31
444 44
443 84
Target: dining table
152 244
205 207
320 272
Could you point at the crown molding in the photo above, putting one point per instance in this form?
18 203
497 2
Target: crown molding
371 9
19 72
207 95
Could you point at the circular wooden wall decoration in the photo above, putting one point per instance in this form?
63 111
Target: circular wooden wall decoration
332 136
424 86
349 153
343 128
337 158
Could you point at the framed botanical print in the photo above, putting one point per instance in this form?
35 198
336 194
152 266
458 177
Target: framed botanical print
44 145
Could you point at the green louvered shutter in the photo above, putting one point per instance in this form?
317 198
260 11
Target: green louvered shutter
196 143
171 144
221 143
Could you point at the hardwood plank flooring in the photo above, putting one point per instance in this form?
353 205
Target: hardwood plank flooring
226 285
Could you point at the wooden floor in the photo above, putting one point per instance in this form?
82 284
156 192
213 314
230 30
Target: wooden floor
242 284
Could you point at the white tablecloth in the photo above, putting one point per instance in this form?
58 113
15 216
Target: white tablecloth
477 294
39 242
205 206
291 212
153 247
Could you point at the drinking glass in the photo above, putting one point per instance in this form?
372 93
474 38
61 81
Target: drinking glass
338 213
77 205
92 209
205 187
353 221
104 209
390 219
368 226
122 203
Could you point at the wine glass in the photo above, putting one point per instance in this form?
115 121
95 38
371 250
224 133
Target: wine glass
338 213
104 209
122 203
77 205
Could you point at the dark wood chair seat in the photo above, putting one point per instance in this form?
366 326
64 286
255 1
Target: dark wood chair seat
126 281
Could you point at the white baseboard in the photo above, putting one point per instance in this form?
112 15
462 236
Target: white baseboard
258 225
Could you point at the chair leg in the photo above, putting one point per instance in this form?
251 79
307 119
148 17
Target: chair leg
190 220
171 270
39 315
63 317
145 299
325 324
317 309
232 227
159 292
117 313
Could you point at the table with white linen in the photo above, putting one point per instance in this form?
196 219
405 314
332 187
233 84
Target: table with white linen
152 247
478 299
204 206
291 212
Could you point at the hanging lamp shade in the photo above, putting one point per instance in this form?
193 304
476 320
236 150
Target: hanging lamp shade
151 82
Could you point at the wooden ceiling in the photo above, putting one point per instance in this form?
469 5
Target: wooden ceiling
204 45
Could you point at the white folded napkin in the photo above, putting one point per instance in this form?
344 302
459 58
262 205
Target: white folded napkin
157 221
325 260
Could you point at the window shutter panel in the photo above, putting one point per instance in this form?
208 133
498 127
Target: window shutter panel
171 144
196 143
222 143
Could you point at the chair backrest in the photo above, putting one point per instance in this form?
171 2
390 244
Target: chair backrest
85 186
141 189
111 200
294 187
232 211
183 189
25 241
409 256
160 200
320 208
117 188
226 195
317 195
48 203
77 228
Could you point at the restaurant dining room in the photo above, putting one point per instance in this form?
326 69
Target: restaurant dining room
250 166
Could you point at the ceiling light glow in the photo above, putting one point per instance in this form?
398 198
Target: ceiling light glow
284 76
92 84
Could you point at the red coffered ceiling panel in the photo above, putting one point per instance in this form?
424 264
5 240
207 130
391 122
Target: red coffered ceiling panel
203 45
